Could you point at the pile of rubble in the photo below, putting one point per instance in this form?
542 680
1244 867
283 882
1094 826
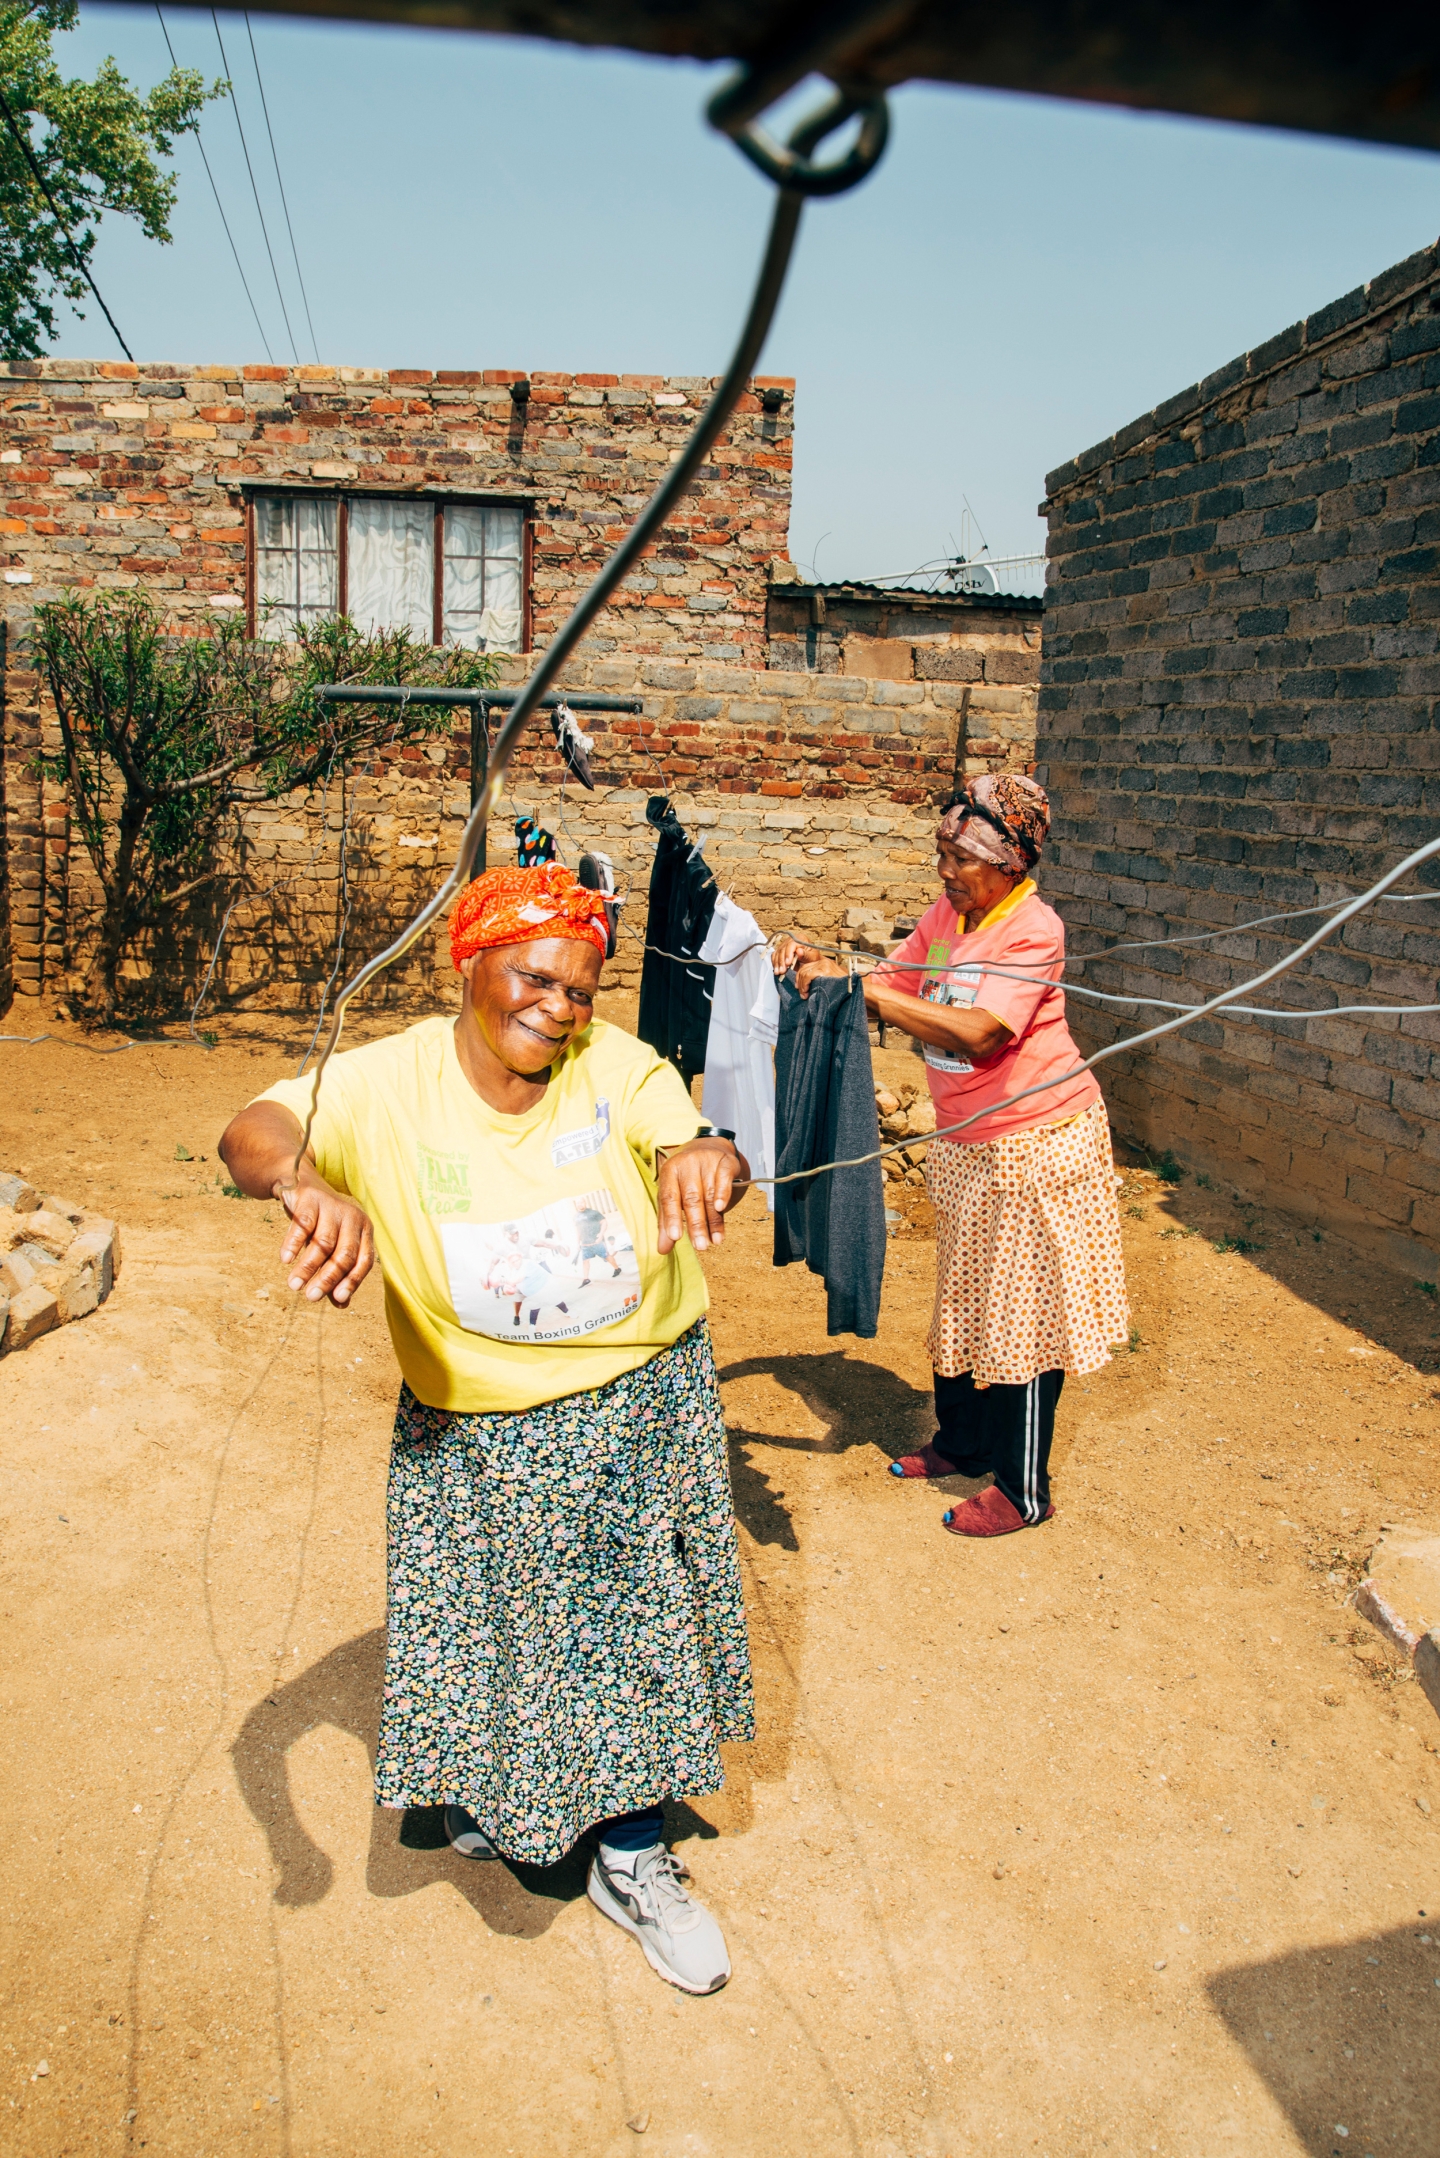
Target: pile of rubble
57 1262
907 1113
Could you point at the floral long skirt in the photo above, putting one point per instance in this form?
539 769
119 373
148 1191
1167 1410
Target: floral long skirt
1030 1276
566 1630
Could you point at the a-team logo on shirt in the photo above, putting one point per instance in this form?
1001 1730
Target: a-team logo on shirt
579 1145
444 1181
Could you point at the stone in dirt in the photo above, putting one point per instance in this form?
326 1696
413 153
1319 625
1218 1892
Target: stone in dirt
52 1205
16 1273
32 1313
16 1193
99 1249
52 1231
78 1294
1400 1596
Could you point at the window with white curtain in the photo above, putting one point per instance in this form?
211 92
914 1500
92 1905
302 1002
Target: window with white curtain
481 594
297 562
393 562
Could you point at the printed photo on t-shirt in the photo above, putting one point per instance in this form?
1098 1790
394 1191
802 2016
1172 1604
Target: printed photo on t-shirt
565 1270
956 989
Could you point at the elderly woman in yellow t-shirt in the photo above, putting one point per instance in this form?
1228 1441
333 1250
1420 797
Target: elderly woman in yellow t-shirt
566 1642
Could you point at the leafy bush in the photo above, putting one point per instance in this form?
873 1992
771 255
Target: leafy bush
165 738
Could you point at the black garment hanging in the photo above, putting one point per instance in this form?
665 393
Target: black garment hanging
675 993
825 1111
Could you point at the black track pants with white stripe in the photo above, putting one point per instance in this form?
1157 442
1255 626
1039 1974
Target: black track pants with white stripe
1006 1430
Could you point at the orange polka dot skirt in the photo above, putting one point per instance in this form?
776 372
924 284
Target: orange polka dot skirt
1030 1276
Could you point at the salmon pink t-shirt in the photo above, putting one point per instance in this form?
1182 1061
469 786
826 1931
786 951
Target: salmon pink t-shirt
947 967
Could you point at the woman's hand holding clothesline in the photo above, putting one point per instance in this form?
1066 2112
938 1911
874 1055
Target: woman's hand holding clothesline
329 1246
973 1032
697 1186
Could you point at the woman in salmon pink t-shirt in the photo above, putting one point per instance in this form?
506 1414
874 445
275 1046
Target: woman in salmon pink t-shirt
1030 1282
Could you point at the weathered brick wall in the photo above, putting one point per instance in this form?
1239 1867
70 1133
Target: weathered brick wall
1238 715
817 791
816 798
117 475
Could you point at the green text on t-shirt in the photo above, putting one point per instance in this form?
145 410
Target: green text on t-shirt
444 1181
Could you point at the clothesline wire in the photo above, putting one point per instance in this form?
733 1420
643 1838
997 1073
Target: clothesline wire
797 174
1127 1042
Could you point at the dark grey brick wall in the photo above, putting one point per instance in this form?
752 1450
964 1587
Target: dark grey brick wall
1240 690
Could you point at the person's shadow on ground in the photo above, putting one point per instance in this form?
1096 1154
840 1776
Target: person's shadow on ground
408 1851
1345 2031
859 1404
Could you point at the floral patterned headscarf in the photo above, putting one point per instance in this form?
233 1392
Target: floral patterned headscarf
1002 818
517 906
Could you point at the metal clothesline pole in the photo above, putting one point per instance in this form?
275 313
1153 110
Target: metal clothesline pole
479 702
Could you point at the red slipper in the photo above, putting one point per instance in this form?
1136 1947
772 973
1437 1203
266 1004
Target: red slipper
926 1463
989 1513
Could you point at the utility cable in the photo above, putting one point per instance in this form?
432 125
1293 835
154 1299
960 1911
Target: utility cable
240 267
22 142
1132 1041
284 204
259 212
799 175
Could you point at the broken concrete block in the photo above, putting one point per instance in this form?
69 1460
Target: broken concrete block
67 1207
1401 1598
16 1273
78 1294
32 1313
14 1191
12 1228
100 1224
1384 1618
4 1318
1427 1667
52 1232
97 1248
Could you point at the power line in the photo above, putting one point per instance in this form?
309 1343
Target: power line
275 156
23 143
264 340
264 228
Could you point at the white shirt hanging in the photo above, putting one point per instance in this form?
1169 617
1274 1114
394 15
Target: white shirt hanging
739 1093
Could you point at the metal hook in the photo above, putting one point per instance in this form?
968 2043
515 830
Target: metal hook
791 165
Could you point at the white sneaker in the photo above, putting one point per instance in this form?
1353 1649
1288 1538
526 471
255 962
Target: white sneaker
642 1891
466 1835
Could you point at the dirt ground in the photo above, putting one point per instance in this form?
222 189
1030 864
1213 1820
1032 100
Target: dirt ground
1119 1835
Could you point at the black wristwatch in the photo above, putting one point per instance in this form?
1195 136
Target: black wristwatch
715 1131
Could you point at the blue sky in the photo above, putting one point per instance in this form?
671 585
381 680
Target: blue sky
1020 277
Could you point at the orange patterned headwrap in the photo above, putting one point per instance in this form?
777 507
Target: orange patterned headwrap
520 906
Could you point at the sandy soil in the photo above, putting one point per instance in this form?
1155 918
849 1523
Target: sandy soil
1122 1834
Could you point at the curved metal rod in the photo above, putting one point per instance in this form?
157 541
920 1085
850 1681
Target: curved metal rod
790 165
784 226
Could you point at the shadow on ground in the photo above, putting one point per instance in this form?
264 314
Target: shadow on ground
1298 2018
859 1404
408 1851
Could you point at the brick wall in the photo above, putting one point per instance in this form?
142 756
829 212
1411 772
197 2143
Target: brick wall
116 475
816 798
1238 715
818 791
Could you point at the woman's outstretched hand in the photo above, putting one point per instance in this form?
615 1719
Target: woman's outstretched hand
329 1247
808 963
698 1185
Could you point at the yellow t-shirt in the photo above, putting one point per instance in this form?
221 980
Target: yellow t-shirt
518 1251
